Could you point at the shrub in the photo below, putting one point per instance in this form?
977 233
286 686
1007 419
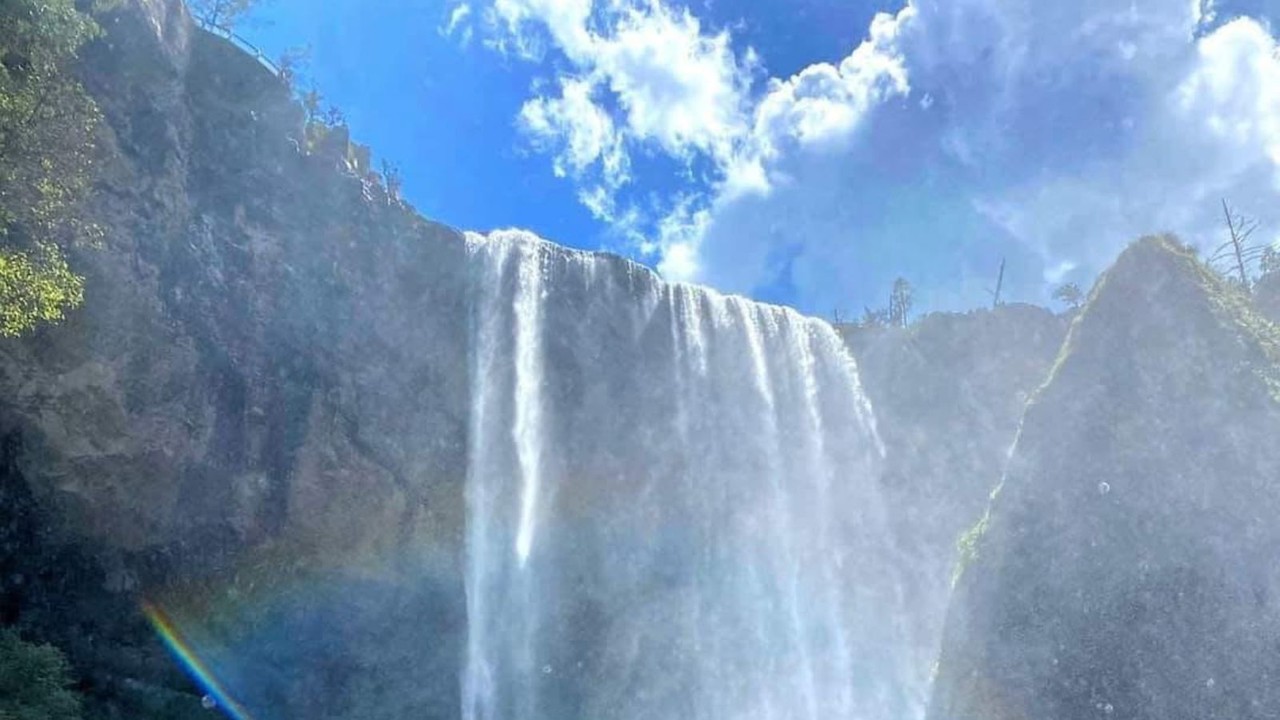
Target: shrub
35 681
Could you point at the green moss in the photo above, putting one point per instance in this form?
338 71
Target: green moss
1229 303
1233 306
968 544
35 288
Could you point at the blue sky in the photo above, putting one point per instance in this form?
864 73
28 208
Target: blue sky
809 151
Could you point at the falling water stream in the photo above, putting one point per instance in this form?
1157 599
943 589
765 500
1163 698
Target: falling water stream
672 505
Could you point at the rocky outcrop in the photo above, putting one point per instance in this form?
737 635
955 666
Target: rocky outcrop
948 393
1126 567
269 372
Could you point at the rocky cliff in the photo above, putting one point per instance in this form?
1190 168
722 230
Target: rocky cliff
271 363
949 392
1126 566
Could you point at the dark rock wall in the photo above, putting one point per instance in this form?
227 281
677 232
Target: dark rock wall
270 363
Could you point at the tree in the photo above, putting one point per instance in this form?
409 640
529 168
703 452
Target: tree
35 681
900 301
319 122
224 14
47 126
874 318
1269 261
291 64
394 183
1236 251
1070 294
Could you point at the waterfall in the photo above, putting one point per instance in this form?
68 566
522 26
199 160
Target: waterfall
672 505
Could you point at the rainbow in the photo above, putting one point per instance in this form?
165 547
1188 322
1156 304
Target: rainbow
198 671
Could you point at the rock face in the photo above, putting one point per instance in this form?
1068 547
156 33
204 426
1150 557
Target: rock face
1266 296
948 393
271 361
1126 567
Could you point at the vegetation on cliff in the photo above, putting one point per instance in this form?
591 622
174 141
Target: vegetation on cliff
221 13
47 126
1122 567
35 681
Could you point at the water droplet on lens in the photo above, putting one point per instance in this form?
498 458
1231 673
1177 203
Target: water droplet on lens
546 669
1107 708
1104 488
208 703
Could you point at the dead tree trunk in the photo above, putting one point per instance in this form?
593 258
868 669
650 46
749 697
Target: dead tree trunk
995 294
1237 244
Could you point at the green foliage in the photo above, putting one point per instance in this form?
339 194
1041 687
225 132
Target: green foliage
969 542
35 287
291 64
1070 294
967 546
321 122
225 14
47 126
35 682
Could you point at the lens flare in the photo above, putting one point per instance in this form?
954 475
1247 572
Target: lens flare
198 671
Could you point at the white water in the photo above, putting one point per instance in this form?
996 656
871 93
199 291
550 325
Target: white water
672 505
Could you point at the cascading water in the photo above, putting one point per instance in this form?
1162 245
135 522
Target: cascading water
672 505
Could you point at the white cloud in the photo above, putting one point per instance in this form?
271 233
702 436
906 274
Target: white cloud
1050 132
665 80
1204 12
650 76
1234 90
577 132
676 85
1209 131
825 102
458 24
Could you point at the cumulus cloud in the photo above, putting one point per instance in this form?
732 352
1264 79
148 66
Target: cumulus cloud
577 132
647 76
954 133
669 81
1192 118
